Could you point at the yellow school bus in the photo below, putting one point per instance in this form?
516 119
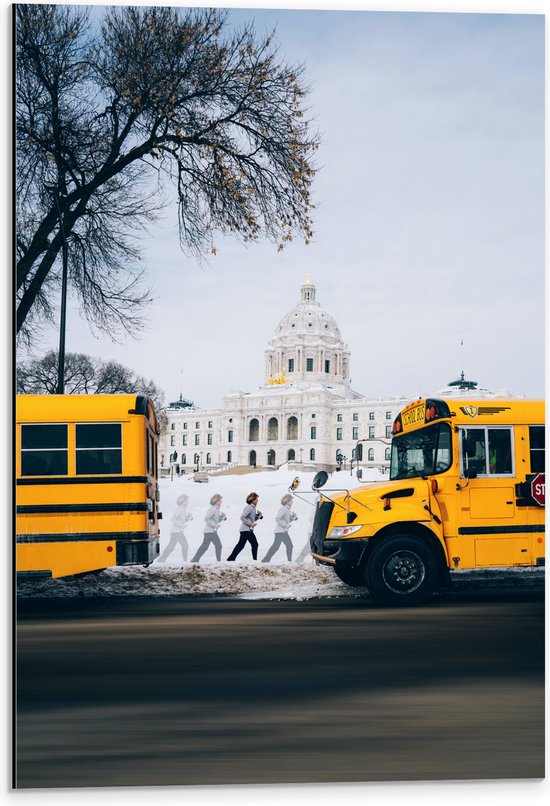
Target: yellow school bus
86 483
466 490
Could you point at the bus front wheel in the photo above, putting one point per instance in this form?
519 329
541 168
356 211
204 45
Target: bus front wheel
402 570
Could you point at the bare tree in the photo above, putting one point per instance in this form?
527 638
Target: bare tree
84 375
116 118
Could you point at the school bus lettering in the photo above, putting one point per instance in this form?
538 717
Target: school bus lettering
414 416
466 490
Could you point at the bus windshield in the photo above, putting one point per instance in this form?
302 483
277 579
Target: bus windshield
421 453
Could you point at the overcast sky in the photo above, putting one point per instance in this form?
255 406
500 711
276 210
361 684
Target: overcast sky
429 227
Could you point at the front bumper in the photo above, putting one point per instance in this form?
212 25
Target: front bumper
348 553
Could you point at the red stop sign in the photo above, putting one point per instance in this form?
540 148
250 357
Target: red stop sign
537 489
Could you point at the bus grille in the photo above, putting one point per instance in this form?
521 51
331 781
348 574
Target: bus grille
320 526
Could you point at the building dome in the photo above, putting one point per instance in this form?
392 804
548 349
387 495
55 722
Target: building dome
307 347
307 318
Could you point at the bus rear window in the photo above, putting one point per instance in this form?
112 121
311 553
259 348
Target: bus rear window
44 450
98 448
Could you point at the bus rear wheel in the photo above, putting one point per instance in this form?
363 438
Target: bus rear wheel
402 570
351 576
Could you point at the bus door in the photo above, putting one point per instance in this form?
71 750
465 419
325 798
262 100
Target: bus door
488 517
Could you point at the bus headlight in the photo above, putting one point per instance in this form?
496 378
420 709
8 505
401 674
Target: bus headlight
342 531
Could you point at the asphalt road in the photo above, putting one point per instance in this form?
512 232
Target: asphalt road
155 692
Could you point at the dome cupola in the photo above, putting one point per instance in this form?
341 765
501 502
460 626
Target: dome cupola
307 348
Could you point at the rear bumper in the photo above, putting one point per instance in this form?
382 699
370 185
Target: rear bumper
137 552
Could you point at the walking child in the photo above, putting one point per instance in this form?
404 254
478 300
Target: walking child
180 518
212 521
283 522
249 518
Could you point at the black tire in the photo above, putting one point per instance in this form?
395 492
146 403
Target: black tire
351 576
402 570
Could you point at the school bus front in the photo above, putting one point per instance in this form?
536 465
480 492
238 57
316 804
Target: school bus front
466 490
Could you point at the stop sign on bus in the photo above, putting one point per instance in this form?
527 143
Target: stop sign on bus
537 489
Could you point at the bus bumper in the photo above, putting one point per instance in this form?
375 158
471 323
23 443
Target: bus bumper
344 553
137 552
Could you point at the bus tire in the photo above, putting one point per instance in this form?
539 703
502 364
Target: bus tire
355 577
402 570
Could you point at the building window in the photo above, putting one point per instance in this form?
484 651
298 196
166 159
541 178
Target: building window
173 426
291 455
327 366
197 425
312 455
388 415
273 428
388 431
197 439
339 433
172 441
291 365
371 432
387 455
44 450
313 432
229 456
292 428
355 433
208 458
536 448
355 416
339 418
309 364
254 430
98 448
371 415
271 458
184 459
371 455
209 439
230 436
209 423
184 439
185 426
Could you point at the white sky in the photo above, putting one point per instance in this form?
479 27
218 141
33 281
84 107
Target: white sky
429 227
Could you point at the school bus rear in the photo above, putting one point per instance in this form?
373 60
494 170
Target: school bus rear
86 483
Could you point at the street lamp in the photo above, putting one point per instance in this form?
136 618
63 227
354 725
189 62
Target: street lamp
301 454
53 190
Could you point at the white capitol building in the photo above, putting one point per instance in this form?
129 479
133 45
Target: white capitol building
306 413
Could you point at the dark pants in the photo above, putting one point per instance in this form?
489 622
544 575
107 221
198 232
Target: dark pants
176 539
209 537
246 537
280 538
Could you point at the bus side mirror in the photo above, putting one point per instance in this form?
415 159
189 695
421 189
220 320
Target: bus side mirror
470 473
320 479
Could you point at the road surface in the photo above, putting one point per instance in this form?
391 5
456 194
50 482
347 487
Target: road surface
154 692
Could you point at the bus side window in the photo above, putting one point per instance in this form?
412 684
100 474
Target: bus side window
473 450
500 451
536 448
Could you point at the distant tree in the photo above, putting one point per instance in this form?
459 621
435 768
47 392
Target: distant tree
84 375
113 120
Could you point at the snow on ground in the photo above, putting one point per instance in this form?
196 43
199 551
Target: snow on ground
243 578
